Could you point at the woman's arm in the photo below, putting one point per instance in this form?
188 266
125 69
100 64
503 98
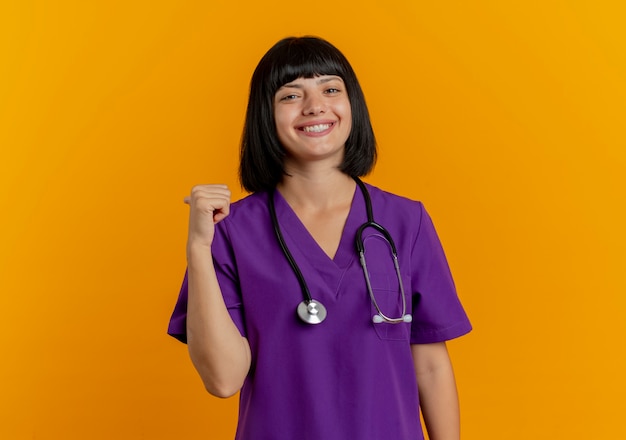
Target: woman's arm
437 391
218 351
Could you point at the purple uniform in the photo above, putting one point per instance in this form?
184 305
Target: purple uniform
346 378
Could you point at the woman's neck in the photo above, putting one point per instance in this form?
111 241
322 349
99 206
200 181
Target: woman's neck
322 202
317 190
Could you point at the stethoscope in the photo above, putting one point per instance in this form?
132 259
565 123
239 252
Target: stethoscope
312 311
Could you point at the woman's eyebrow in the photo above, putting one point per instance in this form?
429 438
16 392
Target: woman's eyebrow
322 80
329 79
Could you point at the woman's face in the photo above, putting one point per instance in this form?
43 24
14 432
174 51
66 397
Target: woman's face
313 119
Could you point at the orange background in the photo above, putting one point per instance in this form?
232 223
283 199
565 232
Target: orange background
506 118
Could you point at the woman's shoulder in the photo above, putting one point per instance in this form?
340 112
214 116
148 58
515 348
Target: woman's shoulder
250 201
403 214
247 208
248 205
394 203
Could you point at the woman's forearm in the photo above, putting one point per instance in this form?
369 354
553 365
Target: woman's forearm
218 351
437 391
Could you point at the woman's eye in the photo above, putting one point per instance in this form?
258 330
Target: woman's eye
332 91
288 97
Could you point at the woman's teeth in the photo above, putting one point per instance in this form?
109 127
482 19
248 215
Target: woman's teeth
316 128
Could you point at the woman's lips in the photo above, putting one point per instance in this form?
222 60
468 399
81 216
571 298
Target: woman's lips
317 128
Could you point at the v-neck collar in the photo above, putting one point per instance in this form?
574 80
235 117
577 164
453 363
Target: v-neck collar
301 238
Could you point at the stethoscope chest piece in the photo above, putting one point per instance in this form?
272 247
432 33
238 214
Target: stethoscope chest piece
311 312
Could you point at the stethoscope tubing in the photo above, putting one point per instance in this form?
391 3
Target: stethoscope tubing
292 262
312 311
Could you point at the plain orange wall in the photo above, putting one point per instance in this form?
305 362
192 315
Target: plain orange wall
506 118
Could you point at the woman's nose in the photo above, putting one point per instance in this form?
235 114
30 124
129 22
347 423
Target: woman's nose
313 105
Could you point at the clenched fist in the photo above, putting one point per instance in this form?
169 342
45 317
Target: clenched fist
209 204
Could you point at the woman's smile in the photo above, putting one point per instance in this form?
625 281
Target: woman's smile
313 118
318 128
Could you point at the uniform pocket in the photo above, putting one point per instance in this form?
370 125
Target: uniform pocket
387 294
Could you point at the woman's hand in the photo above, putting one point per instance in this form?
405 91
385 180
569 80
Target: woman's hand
209 204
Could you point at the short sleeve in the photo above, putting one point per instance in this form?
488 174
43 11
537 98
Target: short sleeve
437 311
226 270
178 322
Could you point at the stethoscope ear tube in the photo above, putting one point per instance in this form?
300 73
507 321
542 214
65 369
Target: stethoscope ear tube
380 317
360 247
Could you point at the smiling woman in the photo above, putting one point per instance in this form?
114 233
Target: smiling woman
313 120
505 118
261 166
290 246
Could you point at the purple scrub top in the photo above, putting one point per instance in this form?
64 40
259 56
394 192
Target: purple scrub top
346 377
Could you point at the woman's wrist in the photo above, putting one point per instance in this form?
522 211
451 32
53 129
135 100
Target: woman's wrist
198 252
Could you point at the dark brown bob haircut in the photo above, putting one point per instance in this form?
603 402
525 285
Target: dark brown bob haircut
262 156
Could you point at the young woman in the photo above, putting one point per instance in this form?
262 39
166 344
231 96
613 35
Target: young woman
325 301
